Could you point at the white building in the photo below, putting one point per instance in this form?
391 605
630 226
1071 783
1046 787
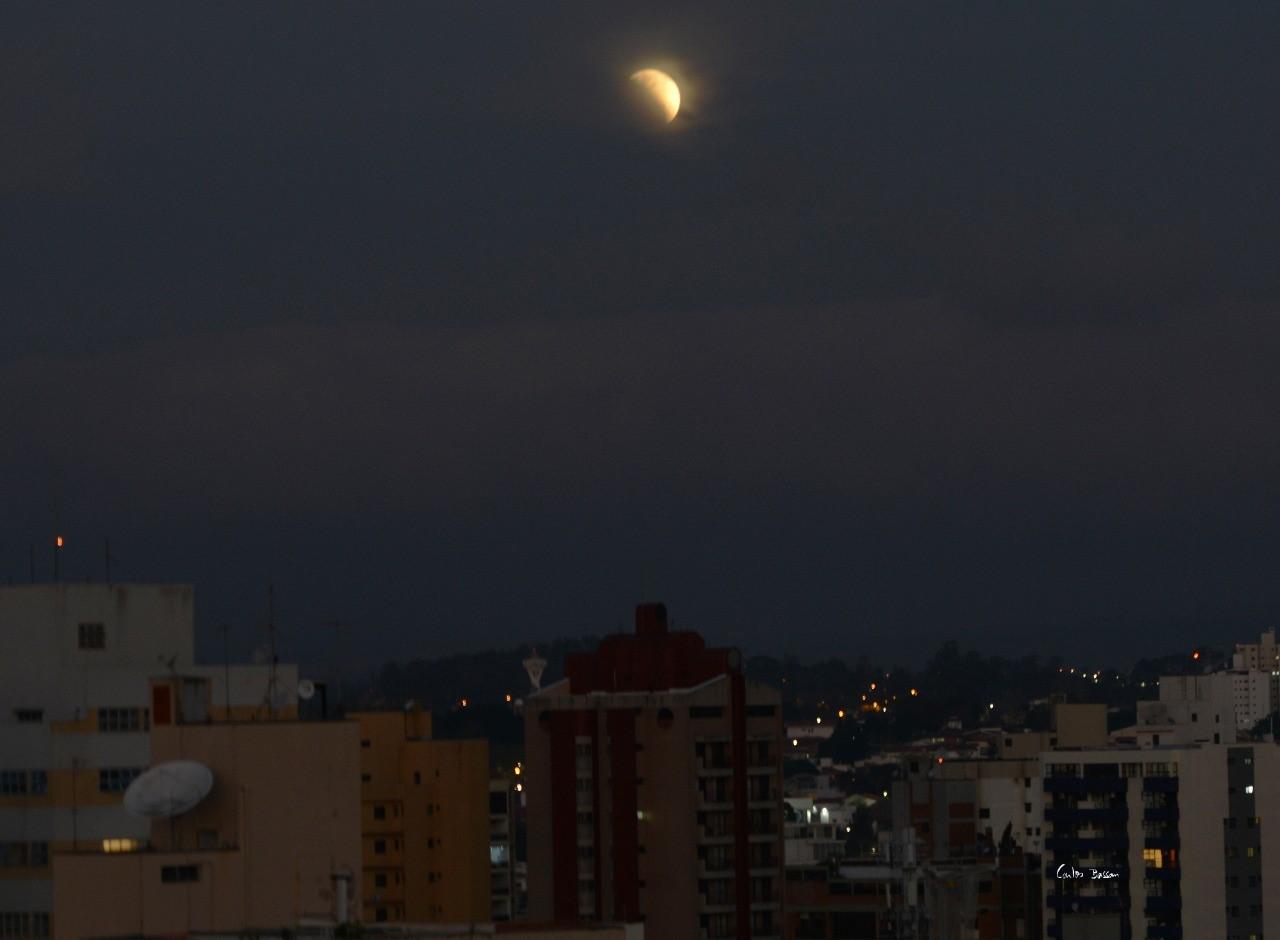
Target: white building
1262 656
75 667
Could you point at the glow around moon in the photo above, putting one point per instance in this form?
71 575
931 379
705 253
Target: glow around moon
662 89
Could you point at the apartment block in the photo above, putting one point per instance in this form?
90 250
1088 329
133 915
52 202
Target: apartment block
274 845
653 778
424 822
1184 829
76 713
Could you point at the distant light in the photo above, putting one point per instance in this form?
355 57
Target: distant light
873 687
519 787
518 771
992 705
939 760
848 829
464 703
885 794
508 696
864 696
795 742
840 713
58 542
914 692
1195 655
819 719
1248 788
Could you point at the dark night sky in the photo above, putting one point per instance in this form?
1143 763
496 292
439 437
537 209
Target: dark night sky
919 323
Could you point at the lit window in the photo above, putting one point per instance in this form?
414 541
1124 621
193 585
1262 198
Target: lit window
120 845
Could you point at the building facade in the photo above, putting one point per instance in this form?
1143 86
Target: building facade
276 843
76 662
424 822
653 779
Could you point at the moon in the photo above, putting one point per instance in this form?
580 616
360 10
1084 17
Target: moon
661 90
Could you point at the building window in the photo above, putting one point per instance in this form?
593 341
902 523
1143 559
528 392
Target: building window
380 880
178 874
379 812
39 783
706 711
38 857
116 779
28 715
121 719
93 636
13 855
112 846
13 783
379 847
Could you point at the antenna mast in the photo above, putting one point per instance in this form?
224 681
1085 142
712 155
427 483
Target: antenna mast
271 645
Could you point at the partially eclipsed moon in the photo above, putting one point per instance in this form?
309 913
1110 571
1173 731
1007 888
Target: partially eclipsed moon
662 88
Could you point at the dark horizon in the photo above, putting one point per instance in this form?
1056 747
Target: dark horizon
909 327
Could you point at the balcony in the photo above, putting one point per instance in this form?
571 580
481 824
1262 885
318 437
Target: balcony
1117 814
1160 784
1167 840
1085 902
708 768
1163 904
1076 846
1163 874
1085 784
1160 814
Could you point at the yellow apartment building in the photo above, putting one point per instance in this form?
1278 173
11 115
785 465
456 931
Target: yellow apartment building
424 822
276 843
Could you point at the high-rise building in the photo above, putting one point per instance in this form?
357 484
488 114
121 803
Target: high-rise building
506 871
653 780
76 662
424 821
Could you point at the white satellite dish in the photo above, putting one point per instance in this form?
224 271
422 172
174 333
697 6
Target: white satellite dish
168 789
306 689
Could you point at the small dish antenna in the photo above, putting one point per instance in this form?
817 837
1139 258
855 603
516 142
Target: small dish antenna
169 789
306 689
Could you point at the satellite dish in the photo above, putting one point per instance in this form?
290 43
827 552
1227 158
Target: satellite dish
168 789
306 689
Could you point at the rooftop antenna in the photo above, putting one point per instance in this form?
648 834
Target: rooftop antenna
534 666
55 485
336 672
57 555
225 630
271 645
